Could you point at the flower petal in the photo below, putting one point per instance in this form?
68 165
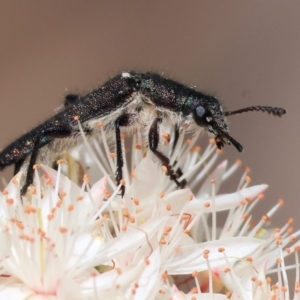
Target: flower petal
189 258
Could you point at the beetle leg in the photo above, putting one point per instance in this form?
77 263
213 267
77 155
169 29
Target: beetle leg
178 171
53 132
30 171
153 145
123 120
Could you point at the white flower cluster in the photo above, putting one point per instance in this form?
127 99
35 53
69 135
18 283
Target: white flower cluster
70 241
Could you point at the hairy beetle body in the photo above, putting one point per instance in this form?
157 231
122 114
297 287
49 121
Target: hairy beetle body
142 100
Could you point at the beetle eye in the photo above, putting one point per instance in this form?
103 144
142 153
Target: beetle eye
200 116
200 111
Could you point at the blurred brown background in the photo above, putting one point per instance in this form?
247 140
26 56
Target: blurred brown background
246 53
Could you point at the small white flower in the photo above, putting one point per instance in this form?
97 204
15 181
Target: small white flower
66 241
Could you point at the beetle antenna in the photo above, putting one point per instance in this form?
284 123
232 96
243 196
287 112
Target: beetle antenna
276 111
